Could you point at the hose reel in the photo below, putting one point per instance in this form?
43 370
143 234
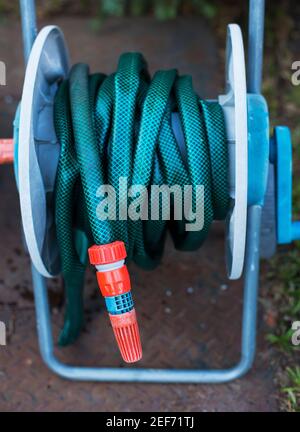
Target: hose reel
260 185
39 149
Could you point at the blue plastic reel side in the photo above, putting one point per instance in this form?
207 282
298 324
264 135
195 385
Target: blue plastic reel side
287 230
258 148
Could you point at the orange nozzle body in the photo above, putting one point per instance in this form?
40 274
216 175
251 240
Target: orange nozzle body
114 283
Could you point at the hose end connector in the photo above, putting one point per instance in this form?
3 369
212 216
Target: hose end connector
6 151
114 283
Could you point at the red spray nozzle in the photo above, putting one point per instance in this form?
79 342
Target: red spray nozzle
127 335
114 283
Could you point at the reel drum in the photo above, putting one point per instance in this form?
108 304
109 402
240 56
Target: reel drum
39 149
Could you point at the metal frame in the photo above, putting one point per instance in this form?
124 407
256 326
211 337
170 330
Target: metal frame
251 270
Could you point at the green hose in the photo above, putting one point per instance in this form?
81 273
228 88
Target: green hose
120 126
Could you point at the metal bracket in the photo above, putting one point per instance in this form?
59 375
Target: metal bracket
163 375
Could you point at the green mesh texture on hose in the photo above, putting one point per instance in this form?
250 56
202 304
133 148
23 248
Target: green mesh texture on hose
121 126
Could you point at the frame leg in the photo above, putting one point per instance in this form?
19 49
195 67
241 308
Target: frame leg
163 375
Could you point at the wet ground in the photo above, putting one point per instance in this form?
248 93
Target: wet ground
189 313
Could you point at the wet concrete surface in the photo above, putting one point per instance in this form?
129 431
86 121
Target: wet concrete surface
189 313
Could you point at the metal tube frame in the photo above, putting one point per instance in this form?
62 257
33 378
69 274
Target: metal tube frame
29 27
256 28
251 270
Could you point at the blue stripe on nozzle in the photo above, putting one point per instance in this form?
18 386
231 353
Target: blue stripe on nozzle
120 304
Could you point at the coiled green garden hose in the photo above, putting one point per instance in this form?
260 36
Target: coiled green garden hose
120 126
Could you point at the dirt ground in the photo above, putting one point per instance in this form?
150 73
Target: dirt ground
189 313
